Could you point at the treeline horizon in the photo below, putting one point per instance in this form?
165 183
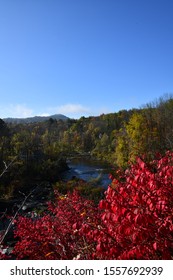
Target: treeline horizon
39 150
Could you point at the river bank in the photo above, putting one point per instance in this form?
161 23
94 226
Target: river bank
89 170
83 172
80 167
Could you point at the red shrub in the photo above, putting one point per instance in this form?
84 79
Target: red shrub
56 235
133 221
138 213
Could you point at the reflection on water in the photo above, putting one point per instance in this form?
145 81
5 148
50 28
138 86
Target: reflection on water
88 170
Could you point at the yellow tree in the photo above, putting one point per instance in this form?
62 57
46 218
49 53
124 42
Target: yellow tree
122 148
141 136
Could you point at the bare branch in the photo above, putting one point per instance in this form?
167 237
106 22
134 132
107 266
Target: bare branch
7 166
14 217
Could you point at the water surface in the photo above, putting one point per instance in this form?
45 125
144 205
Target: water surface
89 170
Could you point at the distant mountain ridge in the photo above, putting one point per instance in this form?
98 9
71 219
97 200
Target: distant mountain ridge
35 119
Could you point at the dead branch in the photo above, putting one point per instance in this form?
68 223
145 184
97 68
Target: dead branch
7 166
14 217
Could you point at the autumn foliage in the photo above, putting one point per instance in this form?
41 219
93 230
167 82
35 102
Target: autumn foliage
133 221
138 212
56 235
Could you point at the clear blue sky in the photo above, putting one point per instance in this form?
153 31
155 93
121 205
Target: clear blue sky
83 57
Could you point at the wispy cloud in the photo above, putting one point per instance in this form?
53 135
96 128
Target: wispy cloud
102 110
71 110
44 114
75 110
16 111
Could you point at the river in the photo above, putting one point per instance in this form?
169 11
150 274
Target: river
84 168
88 170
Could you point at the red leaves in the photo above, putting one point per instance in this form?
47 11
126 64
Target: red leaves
57 235
141 163
141 204
133 221
104 204
138 219
155 246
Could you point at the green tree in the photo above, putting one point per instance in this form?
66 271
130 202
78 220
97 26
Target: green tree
137 135
122 149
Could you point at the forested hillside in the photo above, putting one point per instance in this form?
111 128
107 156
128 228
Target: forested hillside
34 119
39 150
